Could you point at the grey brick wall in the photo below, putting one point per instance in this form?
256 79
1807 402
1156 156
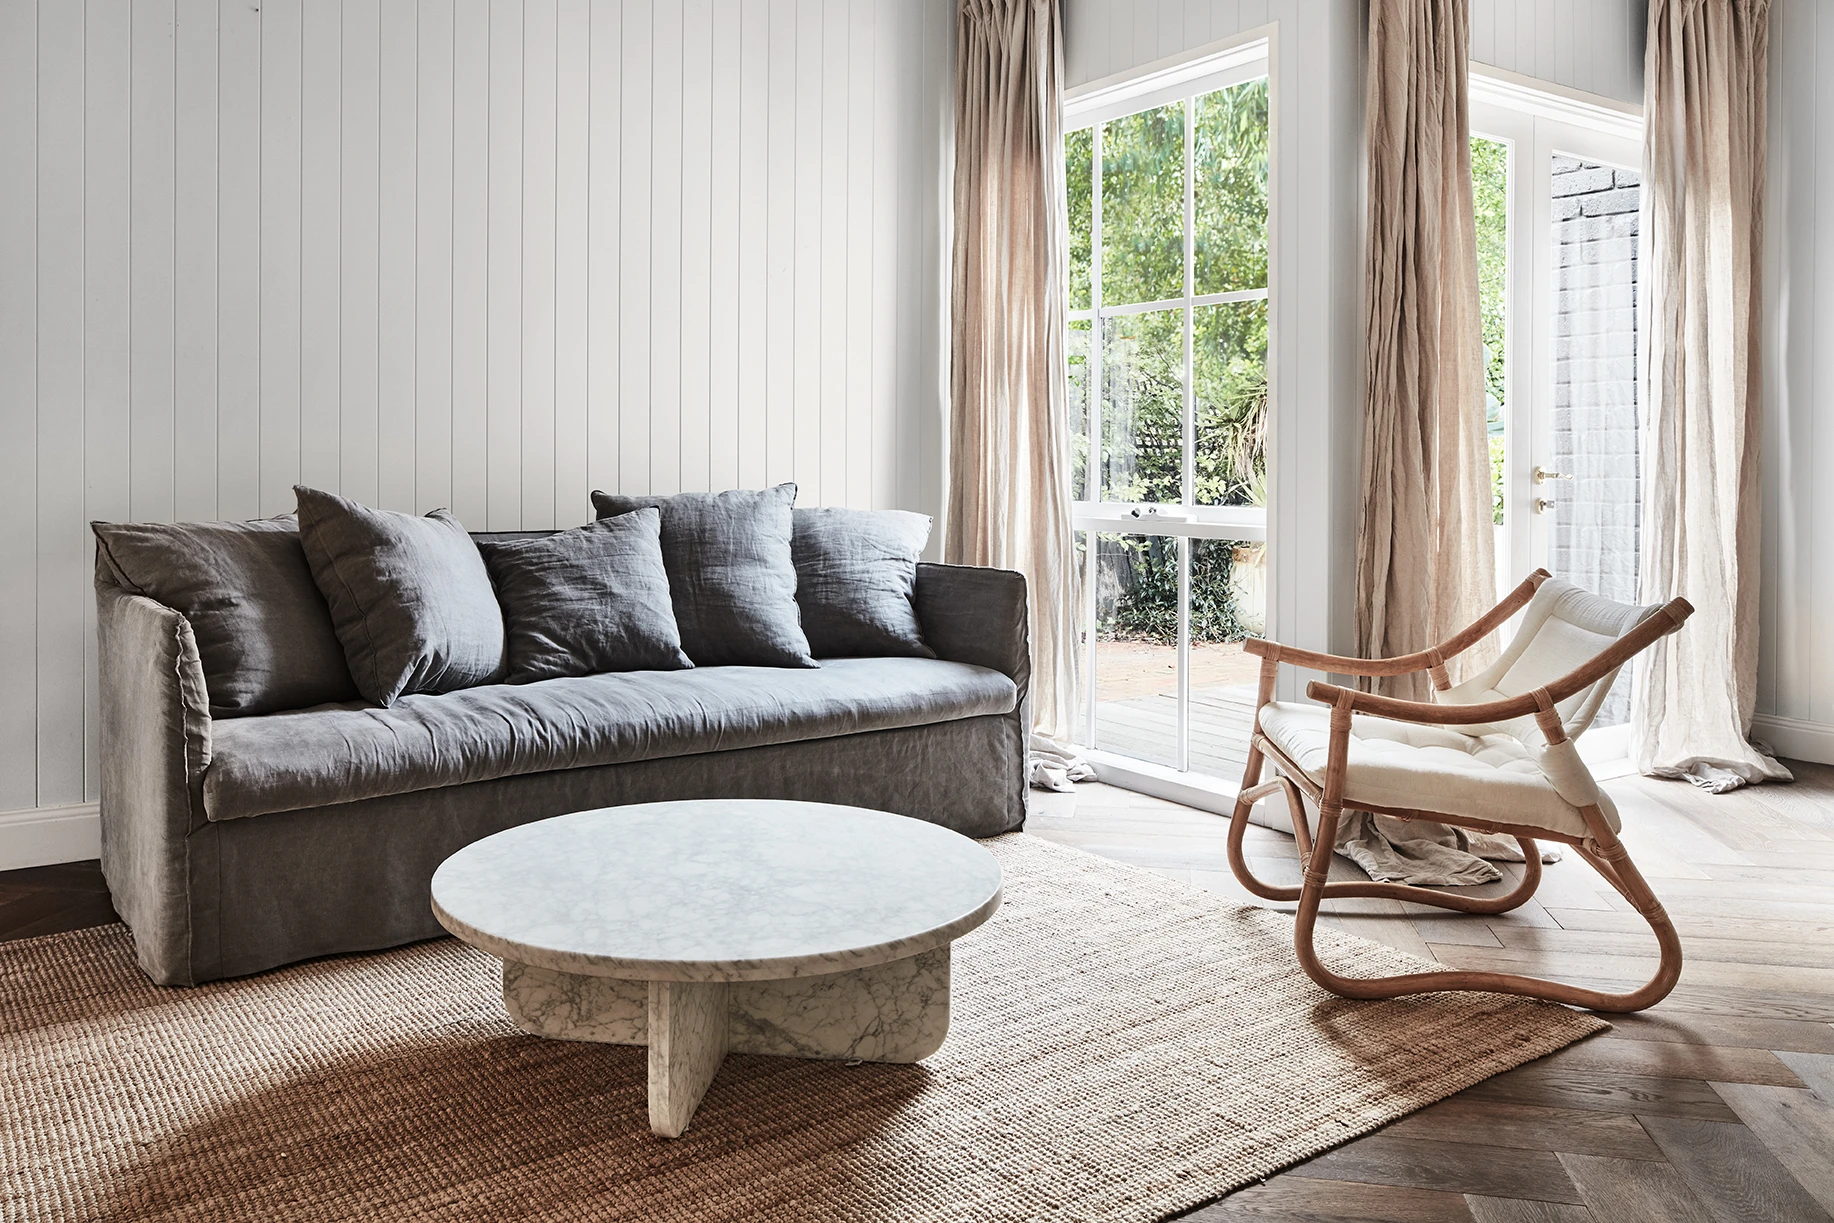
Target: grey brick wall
1594 533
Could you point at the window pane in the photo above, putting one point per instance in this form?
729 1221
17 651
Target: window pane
1078 153
1229 364
1143 206
1143 407
1136 652
1490 194
1228 603
1077 352
1593 536
1229 155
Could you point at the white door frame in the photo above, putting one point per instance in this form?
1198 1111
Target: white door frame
1537 126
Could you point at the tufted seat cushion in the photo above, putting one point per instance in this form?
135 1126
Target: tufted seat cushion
1491 777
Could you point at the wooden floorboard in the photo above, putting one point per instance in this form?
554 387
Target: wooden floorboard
1716 1105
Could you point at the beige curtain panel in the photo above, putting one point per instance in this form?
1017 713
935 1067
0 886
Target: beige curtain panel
1703 240
1426 560
1426 550
1009 445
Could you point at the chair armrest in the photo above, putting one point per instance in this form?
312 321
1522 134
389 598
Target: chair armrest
1426 713
1539 703
155 746
1432 659
1335 664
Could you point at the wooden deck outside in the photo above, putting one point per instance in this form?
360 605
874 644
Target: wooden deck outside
1136 711
1146 728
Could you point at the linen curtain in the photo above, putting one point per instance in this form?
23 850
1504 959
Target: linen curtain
1703 238
1426 547
1009 445
1426 558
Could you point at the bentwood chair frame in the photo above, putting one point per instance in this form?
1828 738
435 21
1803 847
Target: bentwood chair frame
1600 847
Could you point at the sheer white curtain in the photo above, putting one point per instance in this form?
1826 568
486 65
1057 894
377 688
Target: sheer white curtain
1009 446
1703 239
1426 553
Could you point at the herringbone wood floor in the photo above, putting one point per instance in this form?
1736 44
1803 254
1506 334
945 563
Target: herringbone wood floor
1716 1105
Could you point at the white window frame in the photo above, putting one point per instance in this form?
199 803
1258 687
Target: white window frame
1092 107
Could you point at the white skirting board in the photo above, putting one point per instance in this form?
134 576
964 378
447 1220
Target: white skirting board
40 836
1794 738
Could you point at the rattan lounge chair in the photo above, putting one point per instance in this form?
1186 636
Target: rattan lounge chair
1495 753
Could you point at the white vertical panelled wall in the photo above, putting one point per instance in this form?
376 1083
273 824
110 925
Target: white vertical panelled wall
480 253
1591 45
1315 288
1796 646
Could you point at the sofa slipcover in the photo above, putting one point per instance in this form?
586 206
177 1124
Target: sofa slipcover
318 757
210 895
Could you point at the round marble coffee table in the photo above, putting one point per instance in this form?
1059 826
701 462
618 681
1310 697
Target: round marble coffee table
698 928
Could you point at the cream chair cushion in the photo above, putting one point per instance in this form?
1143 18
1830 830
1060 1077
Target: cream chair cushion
1491 777
1563 628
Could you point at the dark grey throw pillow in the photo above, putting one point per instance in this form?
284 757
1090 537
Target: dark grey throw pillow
410 598
856 577
731 576
587 601
264 634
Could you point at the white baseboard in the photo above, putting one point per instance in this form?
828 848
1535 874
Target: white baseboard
40 836
1192 789
1795 738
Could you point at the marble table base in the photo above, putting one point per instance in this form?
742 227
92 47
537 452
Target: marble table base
893 1012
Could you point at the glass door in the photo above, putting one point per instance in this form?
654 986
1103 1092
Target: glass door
1557 204
1168 369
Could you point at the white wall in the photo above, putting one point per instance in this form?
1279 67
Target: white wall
1316 272
1594 45
480 253
1796 654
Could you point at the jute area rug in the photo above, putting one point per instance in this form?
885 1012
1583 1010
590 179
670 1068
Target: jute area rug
1124 1048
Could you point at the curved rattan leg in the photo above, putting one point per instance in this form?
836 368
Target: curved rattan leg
1604 851
1253 791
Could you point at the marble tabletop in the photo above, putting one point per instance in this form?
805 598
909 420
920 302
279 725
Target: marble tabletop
716 890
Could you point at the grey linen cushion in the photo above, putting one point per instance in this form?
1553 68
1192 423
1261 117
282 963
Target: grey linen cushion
587 601
410 598
856 576
264 635
731 575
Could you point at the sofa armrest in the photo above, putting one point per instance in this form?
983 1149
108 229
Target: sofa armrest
155 743
974 615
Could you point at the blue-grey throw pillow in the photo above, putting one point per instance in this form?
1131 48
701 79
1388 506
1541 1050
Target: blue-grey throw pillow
410 597
264 634
587 601
856 579
731 576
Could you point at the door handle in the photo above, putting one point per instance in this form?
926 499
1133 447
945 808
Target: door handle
1543 475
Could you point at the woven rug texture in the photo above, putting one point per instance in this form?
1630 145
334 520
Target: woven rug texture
1123 1047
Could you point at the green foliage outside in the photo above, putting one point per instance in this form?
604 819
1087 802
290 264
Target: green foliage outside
1143 190
1144 602
1490 198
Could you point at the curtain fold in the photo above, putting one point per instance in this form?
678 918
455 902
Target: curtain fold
1426 546
1703 238
1426 552
1009 445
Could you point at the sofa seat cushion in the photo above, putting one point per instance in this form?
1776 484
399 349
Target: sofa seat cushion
344 753
1494 778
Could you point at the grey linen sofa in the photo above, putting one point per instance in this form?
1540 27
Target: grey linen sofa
235 845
